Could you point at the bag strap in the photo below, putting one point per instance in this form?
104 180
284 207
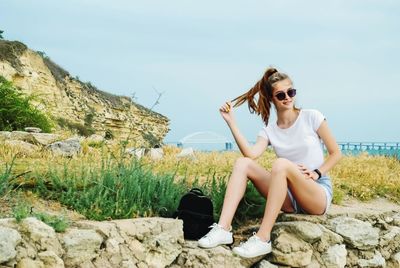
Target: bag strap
197 191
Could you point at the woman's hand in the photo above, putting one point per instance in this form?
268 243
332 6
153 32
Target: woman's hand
226 112
309 174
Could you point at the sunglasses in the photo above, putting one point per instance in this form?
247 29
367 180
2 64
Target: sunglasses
282 95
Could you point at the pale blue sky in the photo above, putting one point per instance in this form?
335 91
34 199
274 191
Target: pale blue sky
343 56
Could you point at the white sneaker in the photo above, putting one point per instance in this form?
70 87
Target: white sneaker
253 247
215 237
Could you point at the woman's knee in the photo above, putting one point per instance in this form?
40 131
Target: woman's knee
280 165
243 163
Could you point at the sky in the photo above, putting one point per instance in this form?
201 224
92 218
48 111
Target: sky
343 56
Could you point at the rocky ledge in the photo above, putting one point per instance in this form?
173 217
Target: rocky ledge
365 235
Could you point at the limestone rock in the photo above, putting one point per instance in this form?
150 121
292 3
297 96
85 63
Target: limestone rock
335 256
396 220
265 264
33 129
292 217
29 263
22 136
5 135
137 152
357 233
43 236
327 240
80 246
22 146
156 153
390 242
221 256
289 250
396 259
376 261
70 99
95 138
9 239
69 147
156 242
44 138
50 259
306 231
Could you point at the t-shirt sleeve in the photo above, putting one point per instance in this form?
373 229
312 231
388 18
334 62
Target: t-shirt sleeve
316 119
263 134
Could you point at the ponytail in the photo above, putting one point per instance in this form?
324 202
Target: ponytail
264 90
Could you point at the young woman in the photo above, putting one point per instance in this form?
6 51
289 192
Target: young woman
298 181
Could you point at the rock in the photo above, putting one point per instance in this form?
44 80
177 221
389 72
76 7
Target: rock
186 153
22 146
5 135
156 153
73 101
396 259
9 239
376 261
29 263
95 138
80 245
44 138
357 233
265 264
335 256
396 220
289 250
137 152
69 147
390 242
22 136
50 259
33 129
327 240
157 242
221 256
43 236
306 231
292 217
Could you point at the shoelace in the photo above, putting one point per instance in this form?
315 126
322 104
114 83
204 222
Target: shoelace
214 227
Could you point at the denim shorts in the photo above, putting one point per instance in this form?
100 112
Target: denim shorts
325 183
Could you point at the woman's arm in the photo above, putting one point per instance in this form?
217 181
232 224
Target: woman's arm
245 148
333 149
252 152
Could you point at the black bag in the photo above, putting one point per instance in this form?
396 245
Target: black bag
196 210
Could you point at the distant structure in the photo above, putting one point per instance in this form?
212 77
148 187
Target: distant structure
205 137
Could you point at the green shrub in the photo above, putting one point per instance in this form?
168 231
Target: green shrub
17 112
59 223
5 177
119 190
115 191
21 211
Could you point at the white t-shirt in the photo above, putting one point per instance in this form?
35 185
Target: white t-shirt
300 142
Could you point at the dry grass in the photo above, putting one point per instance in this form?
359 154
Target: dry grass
364 177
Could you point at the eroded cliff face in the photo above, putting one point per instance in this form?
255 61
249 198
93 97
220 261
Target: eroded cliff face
65 97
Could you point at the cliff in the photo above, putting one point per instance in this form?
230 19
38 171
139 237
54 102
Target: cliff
67 99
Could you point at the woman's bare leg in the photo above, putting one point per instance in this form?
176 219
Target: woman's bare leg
309 195
244 169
